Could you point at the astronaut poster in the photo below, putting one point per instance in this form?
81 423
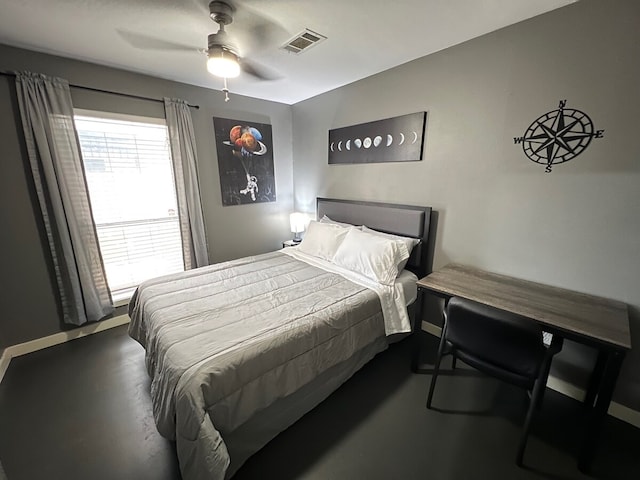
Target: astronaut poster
245 161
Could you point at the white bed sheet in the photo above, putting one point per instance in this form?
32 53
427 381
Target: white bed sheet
392 298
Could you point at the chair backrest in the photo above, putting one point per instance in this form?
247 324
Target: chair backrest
495 337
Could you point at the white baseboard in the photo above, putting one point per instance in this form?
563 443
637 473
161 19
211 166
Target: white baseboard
625 414
434 330
616 410
566 388
5 359
56 339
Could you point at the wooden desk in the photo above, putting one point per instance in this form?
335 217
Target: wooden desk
595 321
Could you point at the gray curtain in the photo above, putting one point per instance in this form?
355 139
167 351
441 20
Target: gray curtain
183 152
54 155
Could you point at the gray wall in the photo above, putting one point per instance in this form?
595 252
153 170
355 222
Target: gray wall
576 227
27 299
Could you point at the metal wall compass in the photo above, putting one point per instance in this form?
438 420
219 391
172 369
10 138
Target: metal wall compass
558 136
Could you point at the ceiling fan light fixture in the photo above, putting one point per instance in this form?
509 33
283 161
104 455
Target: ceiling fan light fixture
223 63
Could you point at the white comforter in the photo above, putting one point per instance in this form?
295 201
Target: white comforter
392 298
227 341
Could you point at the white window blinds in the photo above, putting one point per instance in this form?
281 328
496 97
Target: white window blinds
133 199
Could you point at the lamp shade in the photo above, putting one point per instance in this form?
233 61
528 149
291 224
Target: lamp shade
298 222
223 63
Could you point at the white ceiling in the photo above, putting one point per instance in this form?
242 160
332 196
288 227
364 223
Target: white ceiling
364 36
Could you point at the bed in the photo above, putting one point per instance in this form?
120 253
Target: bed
238 351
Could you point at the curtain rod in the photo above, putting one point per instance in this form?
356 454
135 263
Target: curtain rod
100 90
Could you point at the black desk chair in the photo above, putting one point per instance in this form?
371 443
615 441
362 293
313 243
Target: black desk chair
500 344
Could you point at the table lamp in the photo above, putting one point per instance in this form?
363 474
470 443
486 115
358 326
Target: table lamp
298 222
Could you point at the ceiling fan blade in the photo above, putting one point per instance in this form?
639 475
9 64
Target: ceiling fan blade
266 34
146 42
259 71
255 30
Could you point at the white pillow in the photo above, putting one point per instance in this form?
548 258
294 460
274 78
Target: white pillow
410 242
322 239
326 219
371 255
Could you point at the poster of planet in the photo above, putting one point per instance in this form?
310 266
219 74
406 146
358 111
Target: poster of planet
397 139
245 161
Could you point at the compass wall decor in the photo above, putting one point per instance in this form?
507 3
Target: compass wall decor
558 136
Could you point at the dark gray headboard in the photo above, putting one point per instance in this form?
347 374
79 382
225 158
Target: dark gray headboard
405 220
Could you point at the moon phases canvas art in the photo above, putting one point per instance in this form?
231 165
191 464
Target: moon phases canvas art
397 139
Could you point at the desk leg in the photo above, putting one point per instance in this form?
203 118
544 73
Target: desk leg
611 365
417 333
595 379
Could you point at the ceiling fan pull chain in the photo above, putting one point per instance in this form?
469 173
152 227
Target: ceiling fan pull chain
226 90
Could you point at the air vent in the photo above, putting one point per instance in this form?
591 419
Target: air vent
303 41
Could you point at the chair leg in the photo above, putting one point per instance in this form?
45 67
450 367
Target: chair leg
436 369
454 360
538 389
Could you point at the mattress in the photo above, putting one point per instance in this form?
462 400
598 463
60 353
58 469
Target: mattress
228 342
407 281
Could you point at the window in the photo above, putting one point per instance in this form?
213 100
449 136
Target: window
130 180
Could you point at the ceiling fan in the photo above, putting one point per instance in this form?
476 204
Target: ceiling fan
223 56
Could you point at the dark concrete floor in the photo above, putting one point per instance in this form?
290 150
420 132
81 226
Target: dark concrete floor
82 410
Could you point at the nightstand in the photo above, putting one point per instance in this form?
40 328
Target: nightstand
289 243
